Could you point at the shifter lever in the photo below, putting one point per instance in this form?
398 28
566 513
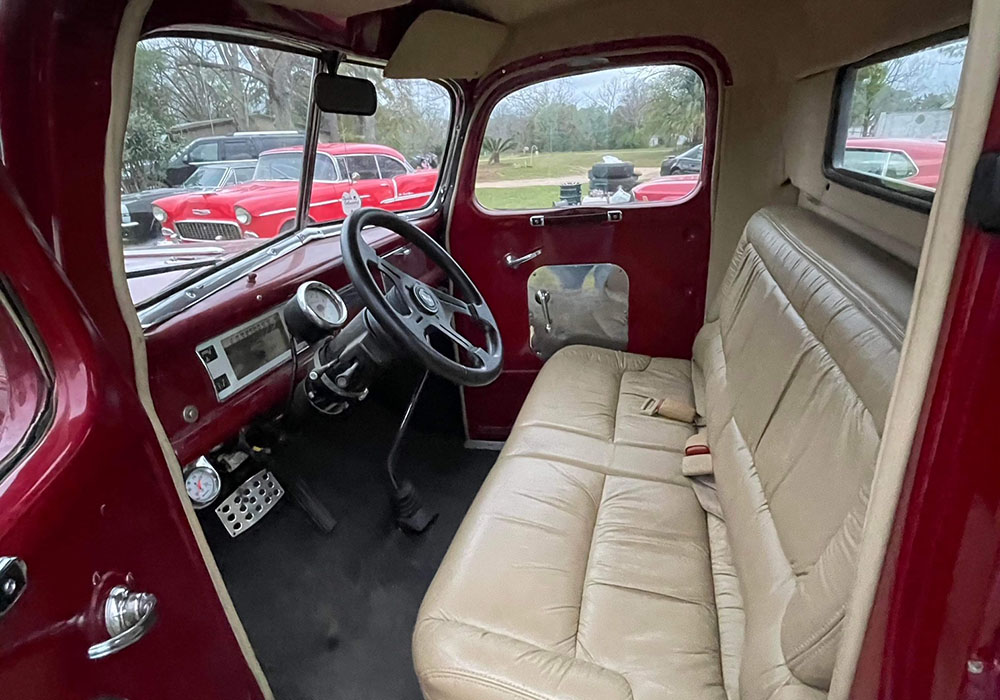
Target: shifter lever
408 509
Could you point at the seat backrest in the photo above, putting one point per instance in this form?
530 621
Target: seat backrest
795 376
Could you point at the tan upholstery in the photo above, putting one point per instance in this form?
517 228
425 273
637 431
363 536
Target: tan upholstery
589 566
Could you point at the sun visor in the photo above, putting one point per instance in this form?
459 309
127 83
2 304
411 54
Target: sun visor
441 44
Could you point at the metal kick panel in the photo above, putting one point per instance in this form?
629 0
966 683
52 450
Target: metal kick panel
577 304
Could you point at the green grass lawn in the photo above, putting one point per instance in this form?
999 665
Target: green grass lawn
515 166
534 197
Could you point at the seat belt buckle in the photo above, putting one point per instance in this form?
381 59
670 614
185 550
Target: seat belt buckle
650 406
669 408
697 459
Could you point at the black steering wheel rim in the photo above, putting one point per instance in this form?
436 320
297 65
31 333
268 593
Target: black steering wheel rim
428 311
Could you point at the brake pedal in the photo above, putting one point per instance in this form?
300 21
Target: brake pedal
250 502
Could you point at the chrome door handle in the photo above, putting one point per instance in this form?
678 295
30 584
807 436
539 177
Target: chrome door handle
128 617
513 262
542 296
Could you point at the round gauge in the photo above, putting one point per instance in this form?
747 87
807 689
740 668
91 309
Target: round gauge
314 312
202 483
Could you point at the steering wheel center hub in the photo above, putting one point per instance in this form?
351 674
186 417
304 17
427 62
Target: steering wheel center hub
426 299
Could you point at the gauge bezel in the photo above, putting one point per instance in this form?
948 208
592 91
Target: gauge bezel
216 477
314 318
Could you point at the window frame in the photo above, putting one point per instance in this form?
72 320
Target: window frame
639 60
836 133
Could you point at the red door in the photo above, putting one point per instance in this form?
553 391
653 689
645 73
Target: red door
89 509
662 247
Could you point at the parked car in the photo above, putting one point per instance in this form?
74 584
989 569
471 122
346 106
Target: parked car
916 162
687 162
347 176
141 227
243 145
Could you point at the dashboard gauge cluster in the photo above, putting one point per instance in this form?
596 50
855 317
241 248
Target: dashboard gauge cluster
202 483
315 312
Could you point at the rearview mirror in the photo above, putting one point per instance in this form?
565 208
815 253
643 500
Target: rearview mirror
341 94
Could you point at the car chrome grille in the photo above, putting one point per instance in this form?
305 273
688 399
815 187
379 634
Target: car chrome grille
208 230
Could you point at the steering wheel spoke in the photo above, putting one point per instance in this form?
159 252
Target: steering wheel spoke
411 312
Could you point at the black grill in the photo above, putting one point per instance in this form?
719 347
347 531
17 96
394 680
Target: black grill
208 231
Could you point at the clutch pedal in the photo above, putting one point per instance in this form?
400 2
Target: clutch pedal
250 502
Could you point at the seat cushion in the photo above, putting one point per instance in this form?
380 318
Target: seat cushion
584 410
582 568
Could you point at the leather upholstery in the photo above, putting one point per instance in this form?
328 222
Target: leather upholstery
589 566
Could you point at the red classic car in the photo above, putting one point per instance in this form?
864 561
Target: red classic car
347 177
914 161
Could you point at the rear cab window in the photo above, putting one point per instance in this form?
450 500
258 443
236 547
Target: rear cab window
890 128
610 137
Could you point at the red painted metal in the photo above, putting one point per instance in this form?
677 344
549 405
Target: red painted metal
94 505
938 601
177 376
663 248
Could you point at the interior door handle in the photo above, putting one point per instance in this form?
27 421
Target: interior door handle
513 262
542 296
13 581
128 617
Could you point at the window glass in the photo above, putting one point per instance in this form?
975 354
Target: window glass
204 152
894 120
206 176
237 149
243 174
613 136
411 124
361 167
390 167
212 100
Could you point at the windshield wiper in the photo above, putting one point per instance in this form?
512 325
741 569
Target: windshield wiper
149 271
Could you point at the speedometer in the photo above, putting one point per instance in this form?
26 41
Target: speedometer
202 483
315 312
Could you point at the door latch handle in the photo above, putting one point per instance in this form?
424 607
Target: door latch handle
13 581
542 296
513 262
128 617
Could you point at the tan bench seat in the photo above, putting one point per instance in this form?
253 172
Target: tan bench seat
587 567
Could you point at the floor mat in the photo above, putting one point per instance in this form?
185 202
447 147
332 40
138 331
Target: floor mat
330 616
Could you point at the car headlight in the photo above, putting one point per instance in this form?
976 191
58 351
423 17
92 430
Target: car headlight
159 214
243 216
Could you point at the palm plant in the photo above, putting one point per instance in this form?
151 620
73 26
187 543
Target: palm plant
495 145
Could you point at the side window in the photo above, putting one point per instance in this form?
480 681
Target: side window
24 388
361 167
237 149
324 170
243 174
889 134
900 166
204 152
608 137
390 167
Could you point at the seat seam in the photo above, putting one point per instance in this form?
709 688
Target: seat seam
586 568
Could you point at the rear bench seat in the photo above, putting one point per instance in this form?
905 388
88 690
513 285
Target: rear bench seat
590 566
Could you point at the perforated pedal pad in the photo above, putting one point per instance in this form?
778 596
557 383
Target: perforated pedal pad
250 502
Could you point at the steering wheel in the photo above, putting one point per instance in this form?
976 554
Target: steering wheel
413 313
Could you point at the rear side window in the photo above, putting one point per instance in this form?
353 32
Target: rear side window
237 149
390 167
889 134
609 137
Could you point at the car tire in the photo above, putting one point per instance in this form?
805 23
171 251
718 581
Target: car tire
675 170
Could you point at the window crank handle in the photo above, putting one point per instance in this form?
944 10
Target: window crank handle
542 296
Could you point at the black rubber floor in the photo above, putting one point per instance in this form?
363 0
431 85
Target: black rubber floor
330 616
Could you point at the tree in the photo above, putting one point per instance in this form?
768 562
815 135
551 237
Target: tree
495 146
147 140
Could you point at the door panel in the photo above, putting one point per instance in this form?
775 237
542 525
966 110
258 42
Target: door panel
91 506
662 248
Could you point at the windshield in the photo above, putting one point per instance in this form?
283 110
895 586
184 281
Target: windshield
206 176
279 166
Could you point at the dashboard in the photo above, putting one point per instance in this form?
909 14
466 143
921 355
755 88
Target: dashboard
226 360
